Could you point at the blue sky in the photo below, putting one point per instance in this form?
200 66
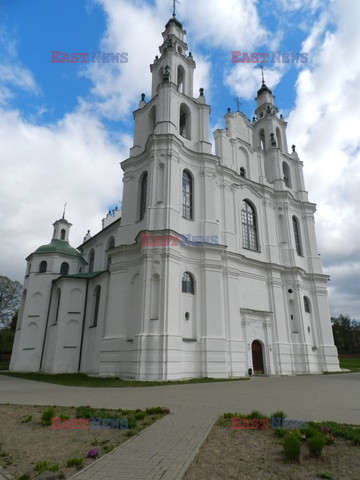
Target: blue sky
64 128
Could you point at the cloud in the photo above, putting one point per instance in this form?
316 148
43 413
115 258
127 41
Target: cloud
325 124
44 166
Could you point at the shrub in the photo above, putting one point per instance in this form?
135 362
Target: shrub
24 477
153 410
310 431
316 444
47 415
63 416
324 474
255 414
85 412
45 466
132 422
279 414
292 447
139 415
26 419
281 432
108 448
75 462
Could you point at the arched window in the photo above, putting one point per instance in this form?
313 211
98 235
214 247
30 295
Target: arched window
43 267
249 226
307 307
185 121
91 260
187 195
278 138
97 294
64 269
58 298
62 234
181 79
242 172
111 244
286 174
152 119
297 237
188 283
262 139
143 195
21 310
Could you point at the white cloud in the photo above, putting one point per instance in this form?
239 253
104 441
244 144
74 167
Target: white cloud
325 123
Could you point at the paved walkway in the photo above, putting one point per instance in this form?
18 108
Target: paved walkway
164 450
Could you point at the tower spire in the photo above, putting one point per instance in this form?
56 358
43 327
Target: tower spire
262 74
64 210
174 7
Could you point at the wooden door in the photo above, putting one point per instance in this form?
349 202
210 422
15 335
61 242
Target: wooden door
257 357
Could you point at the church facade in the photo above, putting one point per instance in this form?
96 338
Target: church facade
210 269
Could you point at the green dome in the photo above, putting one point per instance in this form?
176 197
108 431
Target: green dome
58 246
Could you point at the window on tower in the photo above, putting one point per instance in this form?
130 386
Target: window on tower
185 121
97 294
286 174
242 172
307 305
181 78
297 237
188 283
249 226
262 139
91 260
143 195
111 244
187 195
64 269
43 267
62 234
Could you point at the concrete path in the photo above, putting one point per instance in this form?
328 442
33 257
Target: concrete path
164 450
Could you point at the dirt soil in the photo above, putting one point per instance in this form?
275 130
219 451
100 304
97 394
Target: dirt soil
258 454
23 444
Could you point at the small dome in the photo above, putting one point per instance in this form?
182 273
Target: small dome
58 246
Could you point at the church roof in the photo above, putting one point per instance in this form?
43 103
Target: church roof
87 275
59 246
174 20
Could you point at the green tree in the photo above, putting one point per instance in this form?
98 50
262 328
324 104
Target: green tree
10 296
346 334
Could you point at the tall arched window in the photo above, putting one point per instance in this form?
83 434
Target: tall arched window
185 121
278 138
242 172
111 244
152 119
91 260
64 269
249 226
187 195
143 195
188 283
297 237
286 174
97 294
307 307
43 267
262 139
181 79
62 234
21 310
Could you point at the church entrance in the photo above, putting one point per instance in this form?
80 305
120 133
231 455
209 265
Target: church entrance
257 358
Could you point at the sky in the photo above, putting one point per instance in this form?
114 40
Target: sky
65 127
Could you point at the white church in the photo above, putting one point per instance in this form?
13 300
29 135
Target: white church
210 269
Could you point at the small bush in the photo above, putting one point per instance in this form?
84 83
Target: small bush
26 419
281 432
75 462
310 432
45 466
316 444
132 422
85 412
324 474
279 414
139 415
292 447
255 414
108 448
63 416
154 410
24 477
47 415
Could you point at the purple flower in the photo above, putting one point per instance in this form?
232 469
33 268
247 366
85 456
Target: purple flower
93 453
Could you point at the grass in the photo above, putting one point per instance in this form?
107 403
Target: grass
351 363
82 380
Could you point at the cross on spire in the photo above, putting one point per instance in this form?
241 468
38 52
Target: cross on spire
174 7
262 73
64 210
238 103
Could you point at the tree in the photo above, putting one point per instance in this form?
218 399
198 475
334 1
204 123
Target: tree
10 296
346 334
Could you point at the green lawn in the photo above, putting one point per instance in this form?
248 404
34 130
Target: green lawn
352 363
81 380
